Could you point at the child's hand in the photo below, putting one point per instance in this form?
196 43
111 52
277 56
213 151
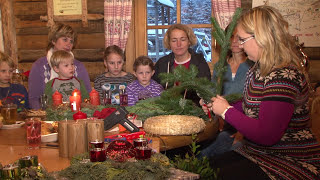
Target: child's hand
238 137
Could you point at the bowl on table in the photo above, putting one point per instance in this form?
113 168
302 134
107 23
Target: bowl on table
53 137
49 131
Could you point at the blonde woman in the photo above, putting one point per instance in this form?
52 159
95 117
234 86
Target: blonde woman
179 38
274 114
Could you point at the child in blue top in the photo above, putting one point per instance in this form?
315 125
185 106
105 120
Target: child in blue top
144 87
11 93
63 64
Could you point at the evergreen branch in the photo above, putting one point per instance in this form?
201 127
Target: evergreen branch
217 38
225 44
218 32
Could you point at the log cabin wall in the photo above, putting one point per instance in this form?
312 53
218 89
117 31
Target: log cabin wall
32 37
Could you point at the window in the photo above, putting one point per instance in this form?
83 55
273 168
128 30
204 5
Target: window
162 13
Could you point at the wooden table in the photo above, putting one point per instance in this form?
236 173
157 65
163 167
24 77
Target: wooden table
13 146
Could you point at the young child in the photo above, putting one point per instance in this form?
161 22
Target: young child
144 87
11 93
63 64
114 75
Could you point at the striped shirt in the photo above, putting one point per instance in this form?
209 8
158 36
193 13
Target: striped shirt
102 79
136 91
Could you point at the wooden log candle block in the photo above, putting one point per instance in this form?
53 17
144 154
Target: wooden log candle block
95 130
62 136
77 138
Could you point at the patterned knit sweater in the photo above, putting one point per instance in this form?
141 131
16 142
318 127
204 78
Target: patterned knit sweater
102 79
296 153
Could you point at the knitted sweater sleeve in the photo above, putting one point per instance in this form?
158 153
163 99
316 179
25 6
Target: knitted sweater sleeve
36 83
131 94
268 129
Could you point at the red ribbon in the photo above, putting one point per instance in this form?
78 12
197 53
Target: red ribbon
209 114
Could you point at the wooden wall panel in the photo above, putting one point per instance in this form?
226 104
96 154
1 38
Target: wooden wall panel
28 8
90 41
84 55
32 42
95 6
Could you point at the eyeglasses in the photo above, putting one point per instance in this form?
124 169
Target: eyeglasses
244 40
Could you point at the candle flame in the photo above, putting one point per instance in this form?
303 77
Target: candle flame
75 94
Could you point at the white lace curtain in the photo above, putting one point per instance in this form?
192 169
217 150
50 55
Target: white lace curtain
117 20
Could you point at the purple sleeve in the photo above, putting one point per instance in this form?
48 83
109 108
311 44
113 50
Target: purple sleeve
83 75
35 84
274 117
237 105
156 90
131 97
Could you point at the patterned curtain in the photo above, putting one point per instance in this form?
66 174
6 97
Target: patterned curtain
117 19
223 10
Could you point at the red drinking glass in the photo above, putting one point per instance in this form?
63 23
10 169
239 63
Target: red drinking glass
97 151
143 152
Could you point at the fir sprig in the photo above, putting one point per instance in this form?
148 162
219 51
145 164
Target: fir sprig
223 39
191 163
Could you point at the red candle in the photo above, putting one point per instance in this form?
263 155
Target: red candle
79 115
76 91
75 102
57 98
94 97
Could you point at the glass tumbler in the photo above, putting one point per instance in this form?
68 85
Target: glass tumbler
33 127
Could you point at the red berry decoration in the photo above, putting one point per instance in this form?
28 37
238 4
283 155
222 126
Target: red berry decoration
120 150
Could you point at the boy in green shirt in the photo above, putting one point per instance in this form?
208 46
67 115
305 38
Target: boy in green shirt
65 83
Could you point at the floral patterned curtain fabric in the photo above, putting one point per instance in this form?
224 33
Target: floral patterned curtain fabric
117 19
223 10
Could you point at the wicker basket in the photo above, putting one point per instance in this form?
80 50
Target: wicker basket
174 125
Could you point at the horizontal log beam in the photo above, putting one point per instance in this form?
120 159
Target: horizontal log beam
83 55
36 28
73 17
84 41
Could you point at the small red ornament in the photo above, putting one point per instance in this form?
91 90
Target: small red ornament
79 115
120 150
94 97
